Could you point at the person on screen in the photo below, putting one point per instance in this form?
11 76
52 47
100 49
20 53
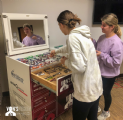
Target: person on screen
64 86
31 39
109 49
69 102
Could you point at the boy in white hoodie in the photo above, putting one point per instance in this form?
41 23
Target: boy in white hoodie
82 61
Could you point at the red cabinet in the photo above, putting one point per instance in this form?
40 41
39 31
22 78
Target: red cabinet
47 105
43 112
43 103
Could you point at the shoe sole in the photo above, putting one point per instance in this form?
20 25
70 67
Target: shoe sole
107 117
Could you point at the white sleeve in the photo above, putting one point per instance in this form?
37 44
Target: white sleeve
76 62
62 49
18 44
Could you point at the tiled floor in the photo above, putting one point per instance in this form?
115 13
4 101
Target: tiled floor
116 108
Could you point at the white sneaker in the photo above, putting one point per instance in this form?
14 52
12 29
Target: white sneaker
99 109
103 115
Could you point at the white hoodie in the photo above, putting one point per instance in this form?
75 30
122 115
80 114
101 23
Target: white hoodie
83 63
17 44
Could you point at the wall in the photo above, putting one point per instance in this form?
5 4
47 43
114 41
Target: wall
0 60
3 73
83 8
52 8
121 68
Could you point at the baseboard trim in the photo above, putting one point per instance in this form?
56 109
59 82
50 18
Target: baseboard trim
5 93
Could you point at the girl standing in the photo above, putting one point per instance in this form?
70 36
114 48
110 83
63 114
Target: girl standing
110 55
83 63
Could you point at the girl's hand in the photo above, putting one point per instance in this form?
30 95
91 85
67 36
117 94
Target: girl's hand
63 60
98 52
52 53
34 37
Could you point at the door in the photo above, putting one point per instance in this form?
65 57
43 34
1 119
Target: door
22 35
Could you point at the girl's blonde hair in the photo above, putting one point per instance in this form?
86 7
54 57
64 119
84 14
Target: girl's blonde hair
68 18
111 19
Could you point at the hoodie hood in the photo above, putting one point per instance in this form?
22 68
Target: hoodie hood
84 30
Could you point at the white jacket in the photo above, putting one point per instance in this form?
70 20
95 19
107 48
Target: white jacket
83 63
17 44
